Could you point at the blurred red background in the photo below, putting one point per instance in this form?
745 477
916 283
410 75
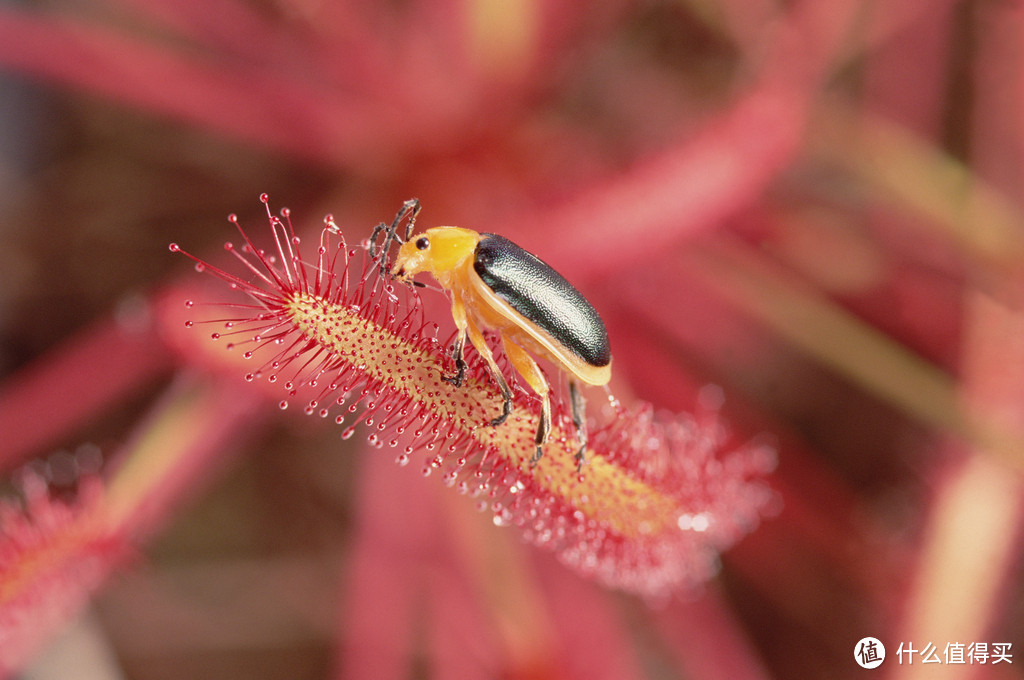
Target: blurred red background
816 205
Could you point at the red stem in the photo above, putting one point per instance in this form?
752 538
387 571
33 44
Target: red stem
72 383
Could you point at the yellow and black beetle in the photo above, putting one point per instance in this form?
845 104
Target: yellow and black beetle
496 285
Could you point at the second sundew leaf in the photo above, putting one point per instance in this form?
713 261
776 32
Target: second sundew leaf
649 510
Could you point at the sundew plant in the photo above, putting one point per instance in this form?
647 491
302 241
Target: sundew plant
801 223
656 498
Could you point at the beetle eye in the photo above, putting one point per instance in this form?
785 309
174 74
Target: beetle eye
422 243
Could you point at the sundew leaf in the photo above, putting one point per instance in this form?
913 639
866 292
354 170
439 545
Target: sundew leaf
659 497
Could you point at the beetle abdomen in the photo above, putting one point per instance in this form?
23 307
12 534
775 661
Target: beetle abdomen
543 296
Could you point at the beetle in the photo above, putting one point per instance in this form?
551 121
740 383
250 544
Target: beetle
496 285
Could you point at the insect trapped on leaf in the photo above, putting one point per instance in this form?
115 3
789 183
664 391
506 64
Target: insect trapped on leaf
496 285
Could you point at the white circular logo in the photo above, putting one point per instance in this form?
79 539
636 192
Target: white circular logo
869 652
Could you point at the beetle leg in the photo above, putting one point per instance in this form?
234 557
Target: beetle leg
460 362
459 316
528 368
579 419
477 338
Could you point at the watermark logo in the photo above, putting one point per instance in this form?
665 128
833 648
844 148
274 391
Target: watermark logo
869 652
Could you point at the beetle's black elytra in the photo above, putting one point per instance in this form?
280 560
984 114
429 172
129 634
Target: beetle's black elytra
543 296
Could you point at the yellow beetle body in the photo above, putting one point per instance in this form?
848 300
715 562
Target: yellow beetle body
495 285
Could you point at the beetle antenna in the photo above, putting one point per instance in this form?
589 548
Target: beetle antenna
410 209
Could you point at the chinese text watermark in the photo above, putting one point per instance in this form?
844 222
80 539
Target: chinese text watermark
869 652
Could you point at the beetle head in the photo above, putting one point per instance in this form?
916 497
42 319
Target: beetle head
439 250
